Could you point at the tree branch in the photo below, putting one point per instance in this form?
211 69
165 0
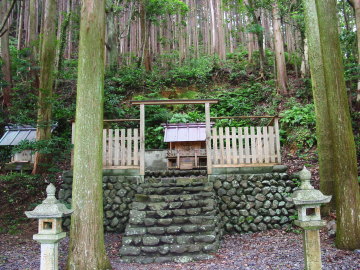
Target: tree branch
7 17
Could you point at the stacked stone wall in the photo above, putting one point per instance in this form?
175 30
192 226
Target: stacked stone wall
254 202
249 200
119 193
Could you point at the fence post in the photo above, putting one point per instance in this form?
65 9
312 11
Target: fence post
277 139
142 139
208 138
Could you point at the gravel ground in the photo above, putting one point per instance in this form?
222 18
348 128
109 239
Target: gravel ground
266 250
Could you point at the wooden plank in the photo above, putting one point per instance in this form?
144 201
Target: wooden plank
123 148
120 120
215 146
241 146
272 144
227 143
117 148
110 148
104 147
142 139
266 145
174 102
221 145
253 145
247 145
277 140
196 157
242 117
208 137
129 147
234 146
121 167
136 147
259 145
244 165
178 159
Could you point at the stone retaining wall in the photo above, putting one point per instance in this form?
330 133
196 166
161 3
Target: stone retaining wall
119 191
254 202
250 199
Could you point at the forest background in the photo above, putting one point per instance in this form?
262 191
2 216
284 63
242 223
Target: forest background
251 55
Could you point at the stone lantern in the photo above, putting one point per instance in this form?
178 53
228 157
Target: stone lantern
308 200
49 213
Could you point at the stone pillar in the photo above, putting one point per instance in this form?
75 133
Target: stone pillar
312 252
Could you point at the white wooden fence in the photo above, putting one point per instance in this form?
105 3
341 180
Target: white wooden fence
236 147
121 148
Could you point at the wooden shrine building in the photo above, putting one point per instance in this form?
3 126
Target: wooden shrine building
194 145
187 145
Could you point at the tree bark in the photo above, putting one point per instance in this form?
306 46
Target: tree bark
20 28
62 40
32 35
47 63
111 39
87 249
356 6
324 141
338 129
145 33
281 73
5 55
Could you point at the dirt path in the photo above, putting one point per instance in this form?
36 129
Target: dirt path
274 249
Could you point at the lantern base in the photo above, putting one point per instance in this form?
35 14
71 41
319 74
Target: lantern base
310 225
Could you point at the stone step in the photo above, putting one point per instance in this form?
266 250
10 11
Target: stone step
172 220
166 259
175 173
151 228
164 222
173 198
180 239
206 205
170 225
174 190
175 183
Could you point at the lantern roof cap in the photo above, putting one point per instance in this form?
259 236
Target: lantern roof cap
307 194
50 207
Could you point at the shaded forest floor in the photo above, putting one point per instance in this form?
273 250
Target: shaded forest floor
273 249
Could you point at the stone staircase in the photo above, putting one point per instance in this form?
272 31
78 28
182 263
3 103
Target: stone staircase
172 220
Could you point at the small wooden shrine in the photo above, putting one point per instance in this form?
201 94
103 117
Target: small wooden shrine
187 145
13 136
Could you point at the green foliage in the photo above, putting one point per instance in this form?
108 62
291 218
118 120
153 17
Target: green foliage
298 125
155 8
15 186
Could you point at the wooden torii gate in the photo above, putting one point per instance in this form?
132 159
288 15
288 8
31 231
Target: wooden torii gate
142 104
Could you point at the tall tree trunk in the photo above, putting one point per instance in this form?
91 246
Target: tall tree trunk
338 129
281 73
62 40
221 49
87 249
111 39
20 28
5 54
256 20
324 141
356 6
47 63
32 35
145 33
